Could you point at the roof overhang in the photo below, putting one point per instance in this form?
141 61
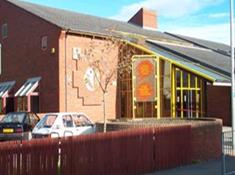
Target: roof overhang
196 69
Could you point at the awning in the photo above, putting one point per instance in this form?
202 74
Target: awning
28 87
5 88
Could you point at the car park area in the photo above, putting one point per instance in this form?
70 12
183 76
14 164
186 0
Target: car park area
26 125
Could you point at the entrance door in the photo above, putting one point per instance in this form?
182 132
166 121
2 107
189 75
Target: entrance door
34 104
9 104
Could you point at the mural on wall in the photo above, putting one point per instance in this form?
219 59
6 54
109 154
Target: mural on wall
86 85
90 79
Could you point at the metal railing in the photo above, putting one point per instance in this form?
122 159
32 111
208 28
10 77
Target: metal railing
228 152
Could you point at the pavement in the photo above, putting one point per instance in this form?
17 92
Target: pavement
212 167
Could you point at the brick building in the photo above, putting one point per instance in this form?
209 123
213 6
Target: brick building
43 66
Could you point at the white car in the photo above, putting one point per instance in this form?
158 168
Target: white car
63 124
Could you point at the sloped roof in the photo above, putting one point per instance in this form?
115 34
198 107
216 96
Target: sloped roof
215 46
87 23
203 55
214 64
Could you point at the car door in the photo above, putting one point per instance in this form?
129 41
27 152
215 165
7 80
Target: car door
82 124
69 128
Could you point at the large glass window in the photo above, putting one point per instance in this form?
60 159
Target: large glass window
189 99
125 89
165 88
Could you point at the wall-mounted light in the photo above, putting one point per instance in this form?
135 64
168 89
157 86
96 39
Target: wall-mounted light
53 50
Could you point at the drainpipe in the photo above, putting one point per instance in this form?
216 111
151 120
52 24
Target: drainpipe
65 68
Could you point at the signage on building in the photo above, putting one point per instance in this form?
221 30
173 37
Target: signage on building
76 53
144 72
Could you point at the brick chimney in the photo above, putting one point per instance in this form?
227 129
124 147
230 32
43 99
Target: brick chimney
145 18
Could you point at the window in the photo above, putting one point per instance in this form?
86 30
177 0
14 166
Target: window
4 31
125 93
81 120
44 42
27 120
189 100
22 104
67 121
47 121
165 88
14 118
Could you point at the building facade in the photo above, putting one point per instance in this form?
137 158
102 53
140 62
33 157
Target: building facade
44 67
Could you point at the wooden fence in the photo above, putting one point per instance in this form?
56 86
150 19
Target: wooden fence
37 157
135 151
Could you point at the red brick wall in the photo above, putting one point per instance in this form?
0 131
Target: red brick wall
144 18
205 134
149 19
79 98
22 57
218 103
206 140
137 19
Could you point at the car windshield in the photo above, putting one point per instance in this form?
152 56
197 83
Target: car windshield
13 118
47 121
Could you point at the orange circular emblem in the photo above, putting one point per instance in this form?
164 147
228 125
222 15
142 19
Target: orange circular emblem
144 91
144 69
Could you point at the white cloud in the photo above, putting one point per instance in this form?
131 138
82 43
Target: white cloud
219 15
213 32
165 8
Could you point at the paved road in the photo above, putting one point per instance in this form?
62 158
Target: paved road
205 168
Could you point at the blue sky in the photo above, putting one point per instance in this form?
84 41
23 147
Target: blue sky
206 19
